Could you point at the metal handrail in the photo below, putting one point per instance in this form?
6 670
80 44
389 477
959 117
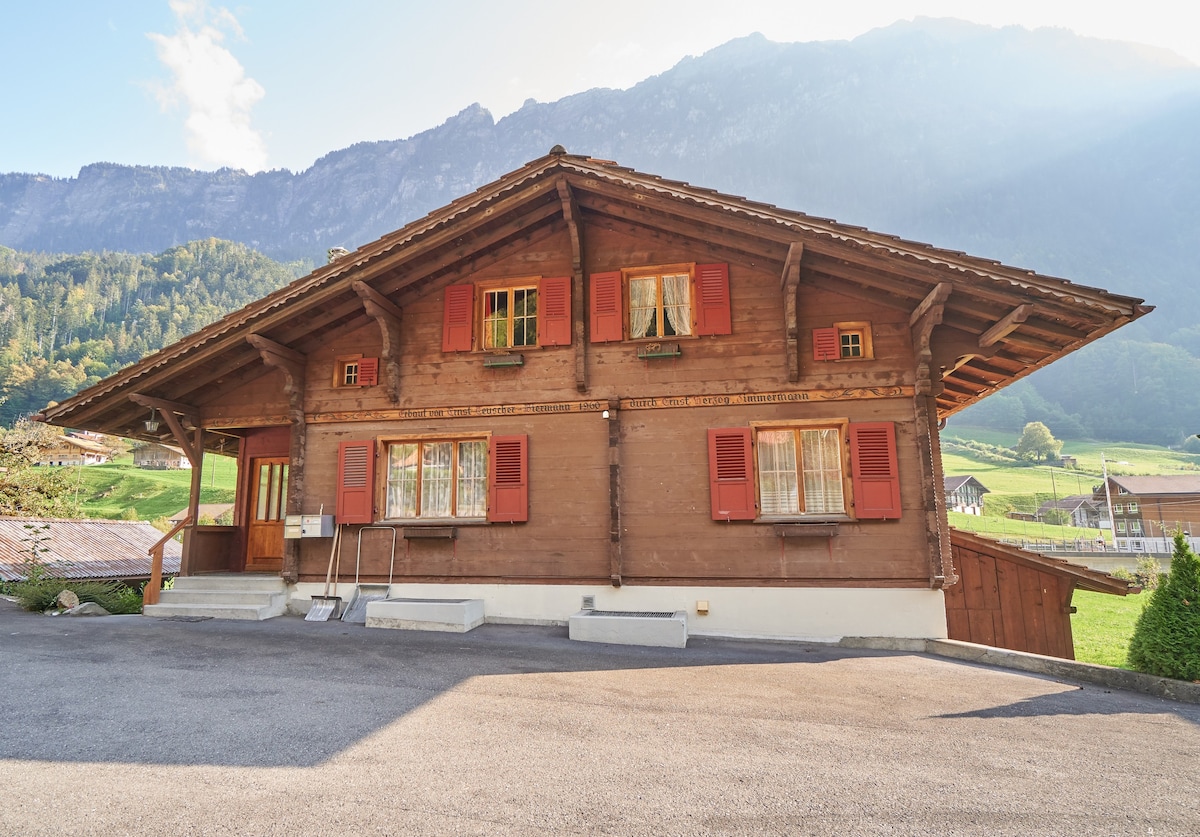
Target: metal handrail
154 585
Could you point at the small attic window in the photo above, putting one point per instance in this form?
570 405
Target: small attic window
355 371
844 341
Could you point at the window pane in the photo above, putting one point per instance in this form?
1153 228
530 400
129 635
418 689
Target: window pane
472 479
495 319
777 484
822 462
402 481
264 492
677 304
643 307
525 317
436 479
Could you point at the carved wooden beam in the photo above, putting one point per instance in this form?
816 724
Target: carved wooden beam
1006 326
921 322
570 211
789 280
388 316
291 362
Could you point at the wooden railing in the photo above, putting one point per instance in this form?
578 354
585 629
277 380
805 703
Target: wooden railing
154 585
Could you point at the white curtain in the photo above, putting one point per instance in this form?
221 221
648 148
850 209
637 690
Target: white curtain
778 488
677 302
643 304
822 460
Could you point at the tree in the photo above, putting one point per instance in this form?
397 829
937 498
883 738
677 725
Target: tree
1166 639
1037 443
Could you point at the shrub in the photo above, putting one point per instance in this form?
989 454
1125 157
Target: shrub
1166 640
40 595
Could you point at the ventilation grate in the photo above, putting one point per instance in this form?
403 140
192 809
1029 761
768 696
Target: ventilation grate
644 614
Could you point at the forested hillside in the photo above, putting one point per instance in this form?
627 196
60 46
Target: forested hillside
67 321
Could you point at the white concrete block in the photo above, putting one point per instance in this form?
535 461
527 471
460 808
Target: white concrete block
453 615
667 629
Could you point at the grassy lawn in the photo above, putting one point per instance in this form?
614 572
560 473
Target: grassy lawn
112 490
1103 624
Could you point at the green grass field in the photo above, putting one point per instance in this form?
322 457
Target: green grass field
119 490
1103 624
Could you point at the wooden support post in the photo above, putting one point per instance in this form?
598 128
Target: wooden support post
293 365
614 492
387 315
570 210
1006 326
921 322
790 282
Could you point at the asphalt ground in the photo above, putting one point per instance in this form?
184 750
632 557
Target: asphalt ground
130 725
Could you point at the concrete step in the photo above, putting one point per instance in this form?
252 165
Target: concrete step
242 582
222 611
222 597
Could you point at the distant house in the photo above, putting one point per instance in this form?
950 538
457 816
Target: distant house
159 457
1151 507
72 450
84 549
1082 510
964 494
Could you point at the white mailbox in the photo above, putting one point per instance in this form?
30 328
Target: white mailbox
316 526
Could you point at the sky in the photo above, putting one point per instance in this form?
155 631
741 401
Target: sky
268 84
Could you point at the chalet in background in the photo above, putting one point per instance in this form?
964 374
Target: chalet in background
1146 511
73 450
964 494
154 456
585 383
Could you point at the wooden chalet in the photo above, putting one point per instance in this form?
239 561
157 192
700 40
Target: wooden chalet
964 494
155 456
1146 510
72 450
585 381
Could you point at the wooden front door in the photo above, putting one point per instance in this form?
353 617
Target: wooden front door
268 500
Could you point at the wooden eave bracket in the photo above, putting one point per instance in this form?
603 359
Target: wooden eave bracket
286 359
921 322
789 281
171 412
570 211
1006 326
388 316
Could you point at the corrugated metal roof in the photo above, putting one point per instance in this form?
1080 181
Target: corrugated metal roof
84 548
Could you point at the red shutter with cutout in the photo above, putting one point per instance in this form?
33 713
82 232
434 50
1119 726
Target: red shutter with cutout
356 482
874 474
508 479
713 314
607 315
458 319
825 344
731 473
368 372
554 311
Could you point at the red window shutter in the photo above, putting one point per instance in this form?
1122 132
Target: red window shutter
368 372
875 477
731 473
554 311
508 479
713 314
607 316
825 344
458 319
356 482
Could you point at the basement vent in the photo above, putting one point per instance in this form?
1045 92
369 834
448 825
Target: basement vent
589 603
643 614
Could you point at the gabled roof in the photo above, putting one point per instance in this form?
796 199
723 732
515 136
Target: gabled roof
1172 484
79 549
1067 504
1011 321
955 483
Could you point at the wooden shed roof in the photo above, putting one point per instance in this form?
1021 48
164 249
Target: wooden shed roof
1011 321
1084 577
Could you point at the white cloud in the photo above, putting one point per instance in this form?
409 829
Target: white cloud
212 86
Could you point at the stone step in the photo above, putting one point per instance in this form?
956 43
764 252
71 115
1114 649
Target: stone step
225 611
241 582
221 597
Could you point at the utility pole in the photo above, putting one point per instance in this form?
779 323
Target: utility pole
1112 524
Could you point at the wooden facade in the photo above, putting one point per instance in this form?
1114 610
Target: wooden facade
157 457
1010 598
1151 507
583 379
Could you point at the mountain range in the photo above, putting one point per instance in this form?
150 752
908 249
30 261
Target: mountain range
1070 156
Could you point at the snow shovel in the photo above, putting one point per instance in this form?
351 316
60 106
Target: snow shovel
323 607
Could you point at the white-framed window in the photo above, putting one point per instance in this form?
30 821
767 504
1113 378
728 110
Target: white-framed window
1135 527
436 479
1132 508
1118 508
801 470
1120 527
